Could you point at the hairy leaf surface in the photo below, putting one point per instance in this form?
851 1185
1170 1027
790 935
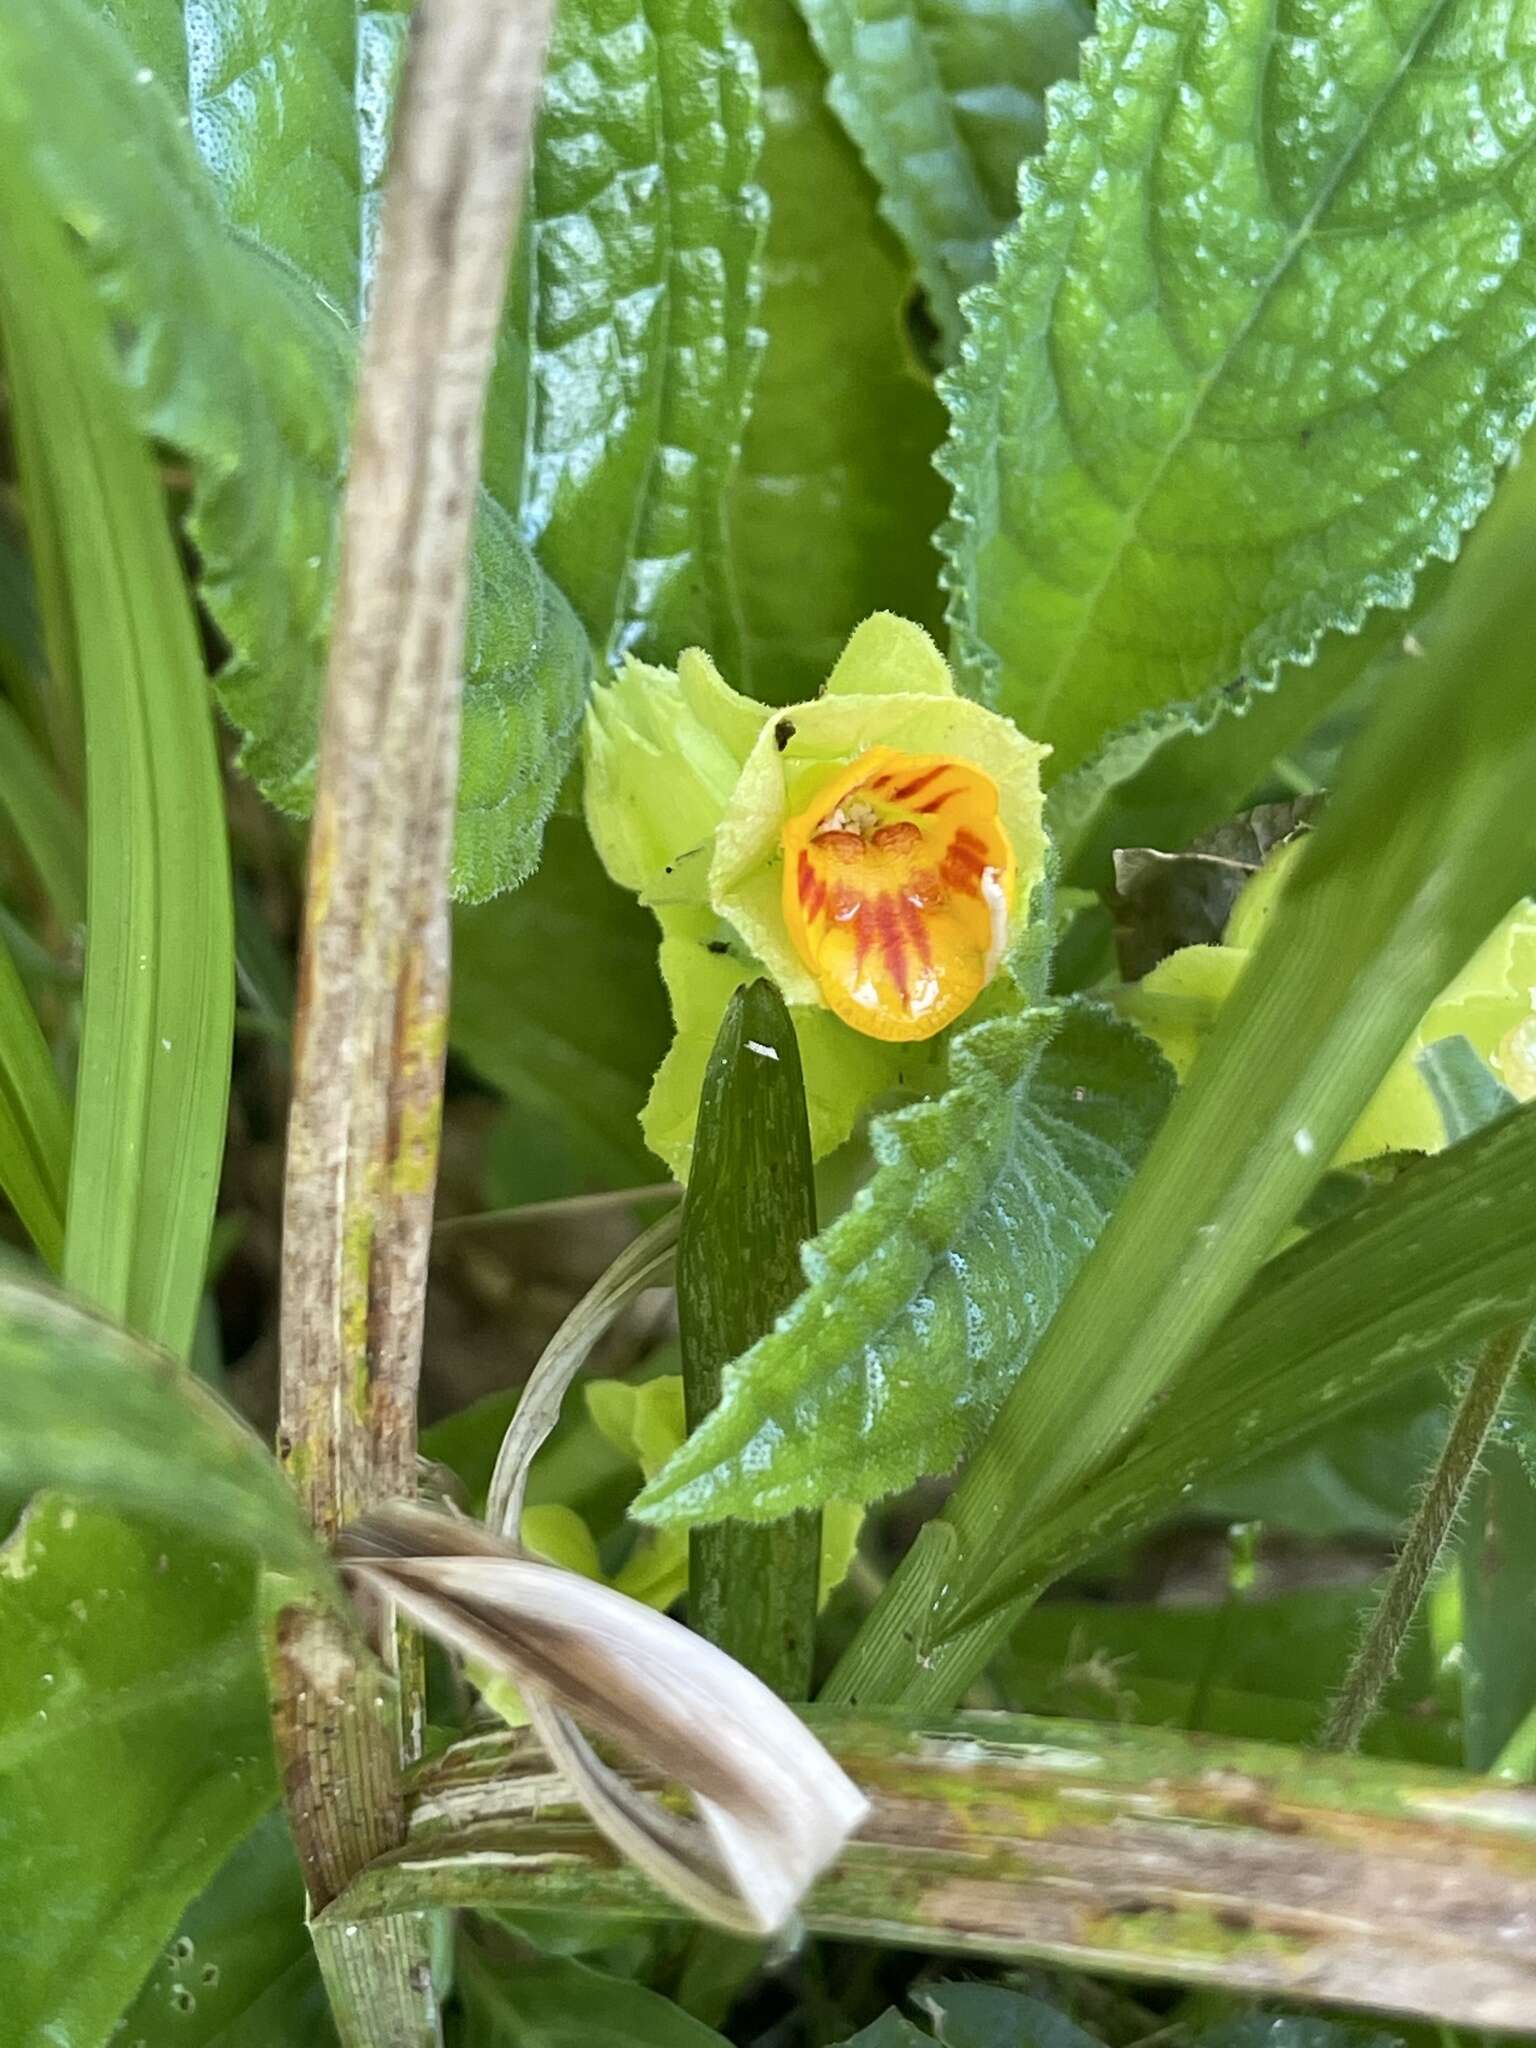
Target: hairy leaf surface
945 100
836 499
618 408
242 359
1255 350
927 1297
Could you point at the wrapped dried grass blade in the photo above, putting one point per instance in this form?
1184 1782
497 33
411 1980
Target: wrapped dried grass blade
773 1807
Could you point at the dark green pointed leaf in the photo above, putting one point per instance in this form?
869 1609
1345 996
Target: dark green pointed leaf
750 1206
559 2004
557 1000
891 2030
990 2016
926 1298
836 500
1253 353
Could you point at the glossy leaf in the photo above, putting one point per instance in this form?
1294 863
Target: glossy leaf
134 1753
152 1087
94 134
618 409
558 1002
90 1410
925 1300
240 1970
946 100
1253 354
836 497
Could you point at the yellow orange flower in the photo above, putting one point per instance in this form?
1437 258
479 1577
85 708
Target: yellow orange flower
897 888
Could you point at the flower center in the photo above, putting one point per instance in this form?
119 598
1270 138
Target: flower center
898 884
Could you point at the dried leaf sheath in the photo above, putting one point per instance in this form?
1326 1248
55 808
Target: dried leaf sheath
775 1809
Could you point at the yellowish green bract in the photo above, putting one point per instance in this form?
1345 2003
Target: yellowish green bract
1492 1003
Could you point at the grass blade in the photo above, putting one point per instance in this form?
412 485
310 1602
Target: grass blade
34 1119
159 982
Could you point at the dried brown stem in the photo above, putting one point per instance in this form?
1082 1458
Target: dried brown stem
371 1025
1146 1851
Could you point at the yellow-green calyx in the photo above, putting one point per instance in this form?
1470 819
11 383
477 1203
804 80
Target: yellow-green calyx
1492 1003
875 851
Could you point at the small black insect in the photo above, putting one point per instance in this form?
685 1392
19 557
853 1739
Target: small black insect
717 946
783 733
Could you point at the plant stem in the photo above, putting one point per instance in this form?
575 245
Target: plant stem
1375 1660
751 1204
372 1014
1243 1866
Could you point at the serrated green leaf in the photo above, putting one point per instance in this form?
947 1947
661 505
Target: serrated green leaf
244 365
1183 771
557 1001
135 1751
945 100
926 1298
836 498
1254 352
617 412
152 1087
